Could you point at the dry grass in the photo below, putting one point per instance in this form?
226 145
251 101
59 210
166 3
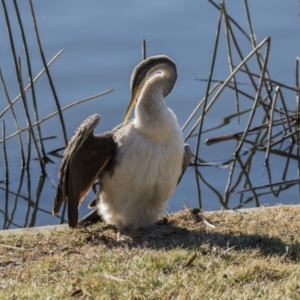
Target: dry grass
246 256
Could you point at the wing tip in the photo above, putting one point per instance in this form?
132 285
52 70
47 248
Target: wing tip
58 200
55 210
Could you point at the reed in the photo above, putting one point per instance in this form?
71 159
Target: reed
266 93
34 135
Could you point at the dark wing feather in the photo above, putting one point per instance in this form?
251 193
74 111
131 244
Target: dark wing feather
85 157
186 159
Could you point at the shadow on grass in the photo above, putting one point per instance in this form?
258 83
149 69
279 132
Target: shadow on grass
202 239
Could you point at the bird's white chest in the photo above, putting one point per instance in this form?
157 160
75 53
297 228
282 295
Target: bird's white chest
149 161
144 178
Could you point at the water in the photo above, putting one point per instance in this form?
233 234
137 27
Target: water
102 44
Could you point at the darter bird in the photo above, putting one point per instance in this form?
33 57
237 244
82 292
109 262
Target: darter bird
138 164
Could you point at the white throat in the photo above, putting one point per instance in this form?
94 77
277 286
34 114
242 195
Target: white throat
152 116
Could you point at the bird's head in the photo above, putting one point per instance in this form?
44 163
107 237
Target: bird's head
144 71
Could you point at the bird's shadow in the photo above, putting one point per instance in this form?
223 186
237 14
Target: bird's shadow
201 239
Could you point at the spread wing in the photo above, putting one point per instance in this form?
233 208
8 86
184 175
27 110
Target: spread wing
85 157
186 159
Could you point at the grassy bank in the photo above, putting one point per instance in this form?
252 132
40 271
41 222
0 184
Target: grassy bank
214 256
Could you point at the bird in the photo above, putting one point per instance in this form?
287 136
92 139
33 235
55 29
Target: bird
137 164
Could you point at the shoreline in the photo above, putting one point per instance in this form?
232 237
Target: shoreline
53 228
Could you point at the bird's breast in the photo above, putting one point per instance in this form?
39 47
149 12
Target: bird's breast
144 163
144 178
150 155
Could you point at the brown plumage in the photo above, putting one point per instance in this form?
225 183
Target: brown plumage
85 157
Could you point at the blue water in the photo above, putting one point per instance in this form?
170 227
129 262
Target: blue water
102 44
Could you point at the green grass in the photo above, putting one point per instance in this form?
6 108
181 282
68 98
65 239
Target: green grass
246 256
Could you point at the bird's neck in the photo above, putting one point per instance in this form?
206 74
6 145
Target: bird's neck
152 116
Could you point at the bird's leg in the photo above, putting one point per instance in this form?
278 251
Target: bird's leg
128 232
91 218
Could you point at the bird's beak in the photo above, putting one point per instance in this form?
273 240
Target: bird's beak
133 99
